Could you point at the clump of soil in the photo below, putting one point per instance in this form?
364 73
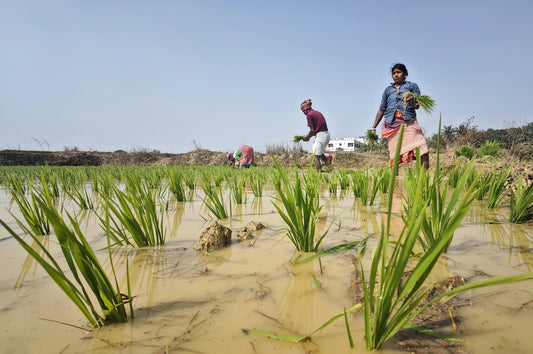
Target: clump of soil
216 236
249 231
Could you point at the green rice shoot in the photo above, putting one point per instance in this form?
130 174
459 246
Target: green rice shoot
297 138
425 102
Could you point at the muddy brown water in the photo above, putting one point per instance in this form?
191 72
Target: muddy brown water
199 303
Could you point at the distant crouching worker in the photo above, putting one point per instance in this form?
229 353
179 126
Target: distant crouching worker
231 158
247 157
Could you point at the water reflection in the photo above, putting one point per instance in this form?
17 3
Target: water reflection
322 223
296 310
480 214
520 245
146 266
215 258
515 239
499 234
30 264
367 218
257 206
237 211
175 218
343 194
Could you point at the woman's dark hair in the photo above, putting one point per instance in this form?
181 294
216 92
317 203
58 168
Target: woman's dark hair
401 67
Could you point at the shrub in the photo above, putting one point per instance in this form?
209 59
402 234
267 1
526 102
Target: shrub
490 148
466 151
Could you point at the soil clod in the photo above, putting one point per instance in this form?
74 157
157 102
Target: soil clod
216 236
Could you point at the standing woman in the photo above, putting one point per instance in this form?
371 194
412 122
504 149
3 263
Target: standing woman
396 113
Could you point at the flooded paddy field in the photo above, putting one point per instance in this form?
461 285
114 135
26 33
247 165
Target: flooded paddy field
199 302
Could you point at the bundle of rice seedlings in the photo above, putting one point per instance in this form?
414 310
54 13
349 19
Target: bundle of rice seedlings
425 102
297 138
371 136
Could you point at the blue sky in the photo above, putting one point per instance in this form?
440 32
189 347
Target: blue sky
175 75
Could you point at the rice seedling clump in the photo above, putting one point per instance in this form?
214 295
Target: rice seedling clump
425 102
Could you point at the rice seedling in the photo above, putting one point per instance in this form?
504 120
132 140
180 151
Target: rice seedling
36 221
154 178
454 174
95 185
15 182
359 183
217 179
177 186
344 179
297 138
419 181
50 182
375 188
236 185
388 306
134 210
313 180
425 102
473 178
81 197
70 179
415 183
384 175
85 269
214 201
497 186
299 209
189 179
257 183
521 203
483 185
365 186
104 185
443 212
333 185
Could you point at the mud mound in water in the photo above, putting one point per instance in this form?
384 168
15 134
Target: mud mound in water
215 237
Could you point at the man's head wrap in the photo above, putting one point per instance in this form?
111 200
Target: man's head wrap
306 104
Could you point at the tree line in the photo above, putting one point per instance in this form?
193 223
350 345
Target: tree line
518 140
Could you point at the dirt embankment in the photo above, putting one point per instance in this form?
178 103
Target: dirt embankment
201 157
197 157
